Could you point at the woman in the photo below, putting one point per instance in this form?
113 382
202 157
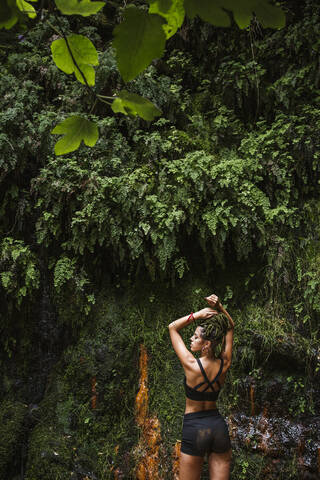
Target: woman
204 429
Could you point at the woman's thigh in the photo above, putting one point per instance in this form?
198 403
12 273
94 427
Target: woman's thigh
219 465
190 467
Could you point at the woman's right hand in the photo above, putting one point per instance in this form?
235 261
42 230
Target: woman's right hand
205 313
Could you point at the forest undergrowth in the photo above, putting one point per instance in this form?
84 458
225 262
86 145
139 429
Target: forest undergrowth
102 248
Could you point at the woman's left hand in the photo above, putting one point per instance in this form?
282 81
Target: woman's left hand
213 301
205 313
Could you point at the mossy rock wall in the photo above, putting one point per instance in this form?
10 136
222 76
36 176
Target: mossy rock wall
13 429
88 425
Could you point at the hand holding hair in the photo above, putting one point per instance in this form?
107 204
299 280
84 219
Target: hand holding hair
213 301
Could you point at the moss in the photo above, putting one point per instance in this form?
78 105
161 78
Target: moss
86 422
50 454
12 416
246 464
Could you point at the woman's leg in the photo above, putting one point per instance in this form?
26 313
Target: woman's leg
190 467
219 465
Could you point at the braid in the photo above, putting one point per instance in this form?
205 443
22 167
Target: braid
215 328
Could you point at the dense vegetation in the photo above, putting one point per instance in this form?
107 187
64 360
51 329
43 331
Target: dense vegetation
100 248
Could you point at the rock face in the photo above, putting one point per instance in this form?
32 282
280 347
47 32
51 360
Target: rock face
279 439
13 417
112 408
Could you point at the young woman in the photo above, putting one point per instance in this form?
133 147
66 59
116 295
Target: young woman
204 429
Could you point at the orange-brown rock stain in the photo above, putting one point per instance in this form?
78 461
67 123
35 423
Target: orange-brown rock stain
142 395
176 460
149 443
266 433
118 474
232 427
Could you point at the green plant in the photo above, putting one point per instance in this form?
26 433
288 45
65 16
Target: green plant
20 275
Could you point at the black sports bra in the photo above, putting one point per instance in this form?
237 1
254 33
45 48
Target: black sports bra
194 394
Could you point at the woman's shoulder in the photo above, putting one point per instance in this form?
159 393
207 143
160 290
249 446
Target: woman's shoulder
193 363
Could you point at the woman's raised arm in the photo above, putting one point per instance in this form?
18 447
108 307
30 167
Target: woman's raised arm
185 357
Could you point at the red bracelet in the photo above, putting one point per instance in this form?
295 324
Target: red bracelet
191 317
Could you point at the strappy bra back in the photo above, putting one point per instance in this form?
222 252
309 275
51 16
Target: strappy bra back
203 395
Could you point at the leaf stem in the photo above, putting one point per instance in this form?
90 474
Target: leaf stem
54 28
105 96
73 59
105 101
96 97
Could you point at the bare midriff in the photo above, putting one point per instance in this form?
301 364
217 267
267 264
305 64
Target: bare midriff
196 406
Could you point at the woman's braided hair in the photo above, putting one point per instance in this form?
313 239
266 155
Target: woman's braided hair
215 329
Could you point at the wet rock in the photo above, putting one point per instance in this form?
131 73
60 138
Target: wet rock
279 438
281 392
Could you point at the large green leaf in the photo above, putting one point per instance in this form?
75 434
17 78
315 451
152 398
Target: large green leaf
213 11
173 11
138 40
12 11
26 8
209 11
132 104
84 53
75 129
79 7
270 16
8 14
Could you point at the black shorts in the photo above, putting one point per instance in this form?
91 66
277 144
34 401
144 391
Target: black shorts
204 432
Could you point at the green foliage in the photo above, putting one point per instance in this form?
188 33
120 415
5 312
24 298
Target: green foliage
20 275
247 465
132 104
229 171
26 8
164 209
13 11
75 129
271 16
306 272
138 40
82 7
71 281
208 11
76 54
63 272
173 12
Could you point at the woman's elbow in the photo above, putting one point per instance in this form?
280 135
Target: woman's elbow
228 363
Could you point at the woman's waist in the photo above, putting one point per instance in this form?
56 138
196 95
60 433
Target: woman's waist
201 415
193 406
